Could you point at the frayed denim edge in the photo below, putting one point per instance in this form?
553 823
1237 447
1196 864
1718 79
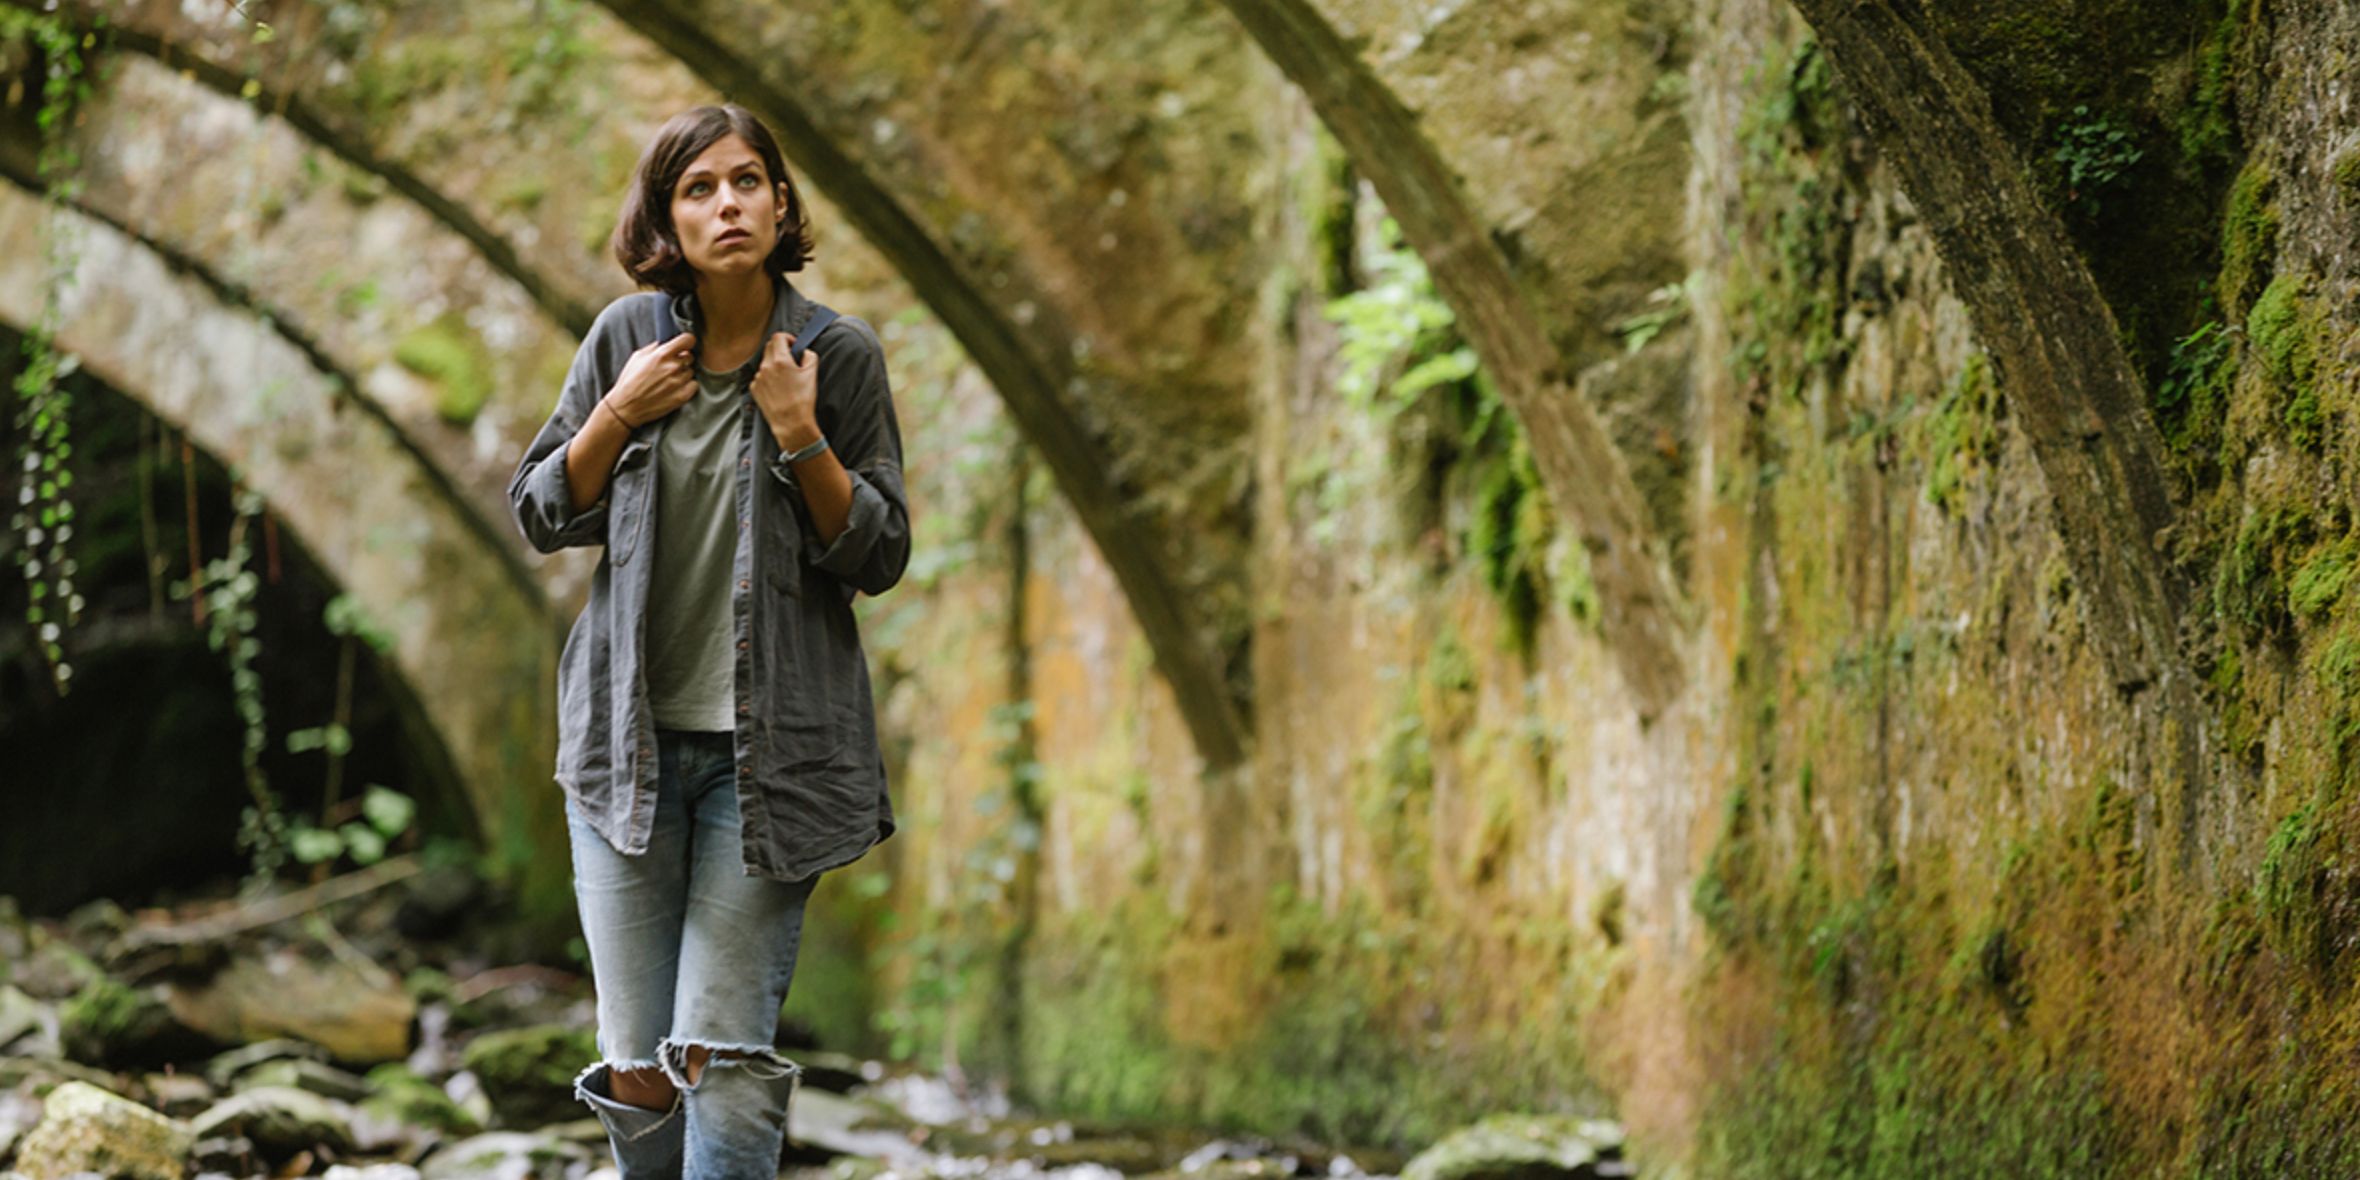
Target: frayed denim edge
583 1094
672 1056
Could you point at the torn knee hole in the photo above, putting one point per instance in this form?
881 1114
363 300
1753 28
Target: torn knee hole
600 1078
685 1061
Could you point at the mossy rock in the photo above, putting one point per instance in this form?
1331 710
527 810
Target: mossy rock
112 1024
1521 1147
407 1098
2249 236
280 1120
528 1073
2347 176
85 1128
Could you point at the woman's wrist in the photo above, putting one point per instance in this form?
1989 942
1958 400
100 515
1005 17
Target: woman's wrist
614 413
795 437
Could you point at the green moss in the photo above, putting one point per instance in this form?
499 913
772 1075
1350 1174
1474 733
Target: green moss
448 353
2337 666
1962 435
2286 889
524 194
404 1097
2192 400
1786 294
2249 237
2288 331
528 1072
2241 730
107 1020
2347 176
2250 585
1355 1038
2206 123
2318 583
1728 875
1394 802
1508 535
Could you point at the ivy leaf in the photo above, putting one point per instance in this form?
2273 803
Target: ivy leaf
367 846
389 811
315 845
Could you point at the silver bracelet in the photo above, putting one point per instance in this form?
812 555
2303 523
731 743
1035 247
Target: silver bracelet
816 447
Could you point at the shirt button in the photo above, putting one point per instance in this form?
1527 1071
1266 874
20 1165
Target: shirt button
741 645
741 581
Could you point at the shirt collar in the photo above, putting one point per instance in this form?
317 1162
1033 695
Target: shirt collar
789 311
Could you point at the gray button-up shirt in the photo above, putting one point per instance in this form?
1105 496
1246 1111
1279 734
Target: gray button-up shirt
811 777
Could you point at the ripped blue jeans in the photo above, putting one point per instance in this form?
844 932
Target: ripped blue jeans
687 951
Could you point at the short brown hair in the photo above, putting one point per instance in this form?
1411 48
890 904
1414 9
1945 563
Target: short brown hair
644 240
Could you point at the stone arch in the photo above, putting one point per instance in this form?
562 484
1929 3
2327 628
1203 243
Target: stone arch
353 283
2052 337
473 642
1132 392
1459 205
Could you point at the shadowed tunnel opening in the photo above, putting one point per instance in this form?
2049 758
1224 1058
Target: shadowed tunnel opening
131 783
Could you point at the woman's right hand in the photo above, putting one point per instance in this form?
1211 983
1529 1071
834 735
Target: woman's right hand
658 379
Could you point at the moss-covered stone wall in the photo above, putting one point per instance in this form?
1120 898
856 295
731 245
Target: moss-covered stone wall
1905 885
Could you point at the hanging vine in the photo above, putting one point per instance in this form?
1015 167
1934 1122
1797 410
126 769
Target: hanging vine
42 522
226 588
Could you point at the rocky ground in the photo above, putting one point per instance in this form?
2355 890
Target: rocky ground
345 1030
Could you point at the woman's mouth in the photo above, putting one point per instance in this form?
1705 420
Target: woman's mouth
731 235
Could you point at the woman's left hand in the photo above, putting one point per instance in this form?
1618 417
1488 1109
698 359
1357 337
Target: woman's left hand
788 393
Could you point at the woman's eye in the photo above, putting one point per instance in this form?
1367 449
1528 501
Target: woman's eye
697 189
746 181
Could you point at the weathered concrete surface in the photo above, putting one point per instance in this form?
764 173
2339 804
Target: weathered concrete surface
473 639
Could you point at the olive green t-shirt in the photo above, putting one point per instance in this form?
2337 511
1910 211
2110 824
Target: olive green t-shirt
691 681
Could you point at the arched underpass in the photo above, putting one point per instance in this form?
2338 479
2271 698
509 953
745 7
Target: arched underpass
473 640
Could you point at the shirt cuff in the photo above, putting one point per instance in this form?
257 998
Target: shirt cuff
862 524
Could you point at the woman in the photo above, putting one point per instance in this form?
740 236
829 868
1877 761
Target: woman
734 447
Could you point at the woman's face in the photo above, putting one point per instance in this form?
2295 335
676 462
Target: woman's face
726 209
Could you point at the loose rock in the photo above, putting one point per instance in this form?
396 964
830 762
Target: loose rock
281 1120
506 1155
358 1016
528 1073
112 1024
87 1129
373 1172
19 1014
178 1094
224 1069
1524 1147
320 1078
402 1095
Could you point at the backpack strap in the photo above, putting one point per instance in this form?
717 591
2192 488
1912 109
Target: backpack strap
821 316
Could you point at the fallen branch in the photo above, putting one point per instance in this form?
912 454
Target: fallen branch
272 910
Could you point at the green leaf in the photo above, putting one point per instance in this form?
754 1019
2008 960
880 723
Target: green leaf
366 845
316 845
389 811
